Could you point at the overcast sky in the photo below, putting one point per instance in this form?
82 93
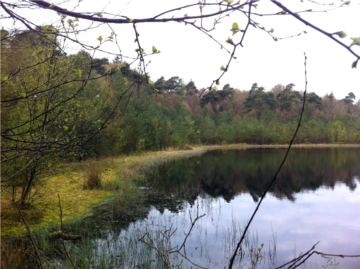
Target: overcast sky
191 55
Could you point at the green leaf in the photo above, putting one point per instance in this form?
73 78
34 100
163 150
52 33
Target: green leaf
235 28
99 14
123 64
45 27
230 41
186 15
341 34
79 73
347 3
154 50
354 64
109 71
65 128
130 20
117 69
100 38
356 41
23 95
217 82
271 30
222 68
229 2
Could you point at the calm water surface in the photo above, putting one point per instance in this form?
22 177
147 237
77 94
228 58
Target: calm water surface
316 198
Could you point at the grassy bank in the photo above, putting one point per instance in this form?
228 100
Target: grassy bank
118 175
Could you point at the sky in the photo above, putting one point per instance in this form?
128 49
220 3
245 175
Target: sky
191 55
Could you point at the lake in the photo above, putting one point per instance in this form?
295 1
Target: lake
315 198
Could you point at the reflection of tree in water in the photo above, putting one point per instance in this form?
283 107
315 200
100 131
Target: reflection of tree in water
350 182
215 187
225 174
228 173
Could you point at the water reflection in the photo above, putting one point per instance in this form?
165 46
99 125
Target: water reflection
227 173
314 199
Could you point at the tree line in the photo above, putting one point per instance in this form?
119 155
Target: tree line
178 114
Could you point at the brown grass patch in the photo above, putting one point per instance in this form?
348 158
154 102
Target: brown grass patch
93 180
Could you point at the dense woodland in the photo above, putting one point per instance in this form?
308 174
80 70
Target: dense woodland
166 113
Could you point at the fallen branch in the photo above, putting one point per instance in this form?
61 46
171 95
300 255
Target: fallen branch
295 263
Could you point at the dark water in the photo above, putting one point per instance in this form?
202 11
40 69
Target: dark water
315 198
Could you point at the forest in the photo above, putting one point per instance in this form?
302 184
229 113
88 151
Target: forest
165 113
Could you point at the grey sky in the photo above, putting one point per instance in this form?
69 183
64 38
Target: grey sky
189 54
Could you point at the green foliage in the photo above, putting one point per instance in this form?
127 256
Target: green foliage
156 122
258 100
98 65
349 99
287 98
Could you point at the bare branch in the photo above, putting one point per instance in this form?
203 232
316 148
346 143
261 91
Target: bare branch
30 234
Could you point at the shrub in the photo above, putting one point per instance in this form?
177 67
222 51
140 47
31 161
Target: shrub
185 147
93 180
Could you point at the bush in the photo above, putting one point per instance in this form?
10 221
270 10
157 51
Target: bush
185 147
93 180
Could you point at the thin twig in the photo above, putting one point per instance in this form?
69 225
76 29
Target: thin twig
61 222
298 258
331 36
275 176
30 234
166 254
302 258
62 240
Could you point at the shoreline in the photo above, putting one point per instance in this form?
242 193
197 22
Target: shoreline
119 174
